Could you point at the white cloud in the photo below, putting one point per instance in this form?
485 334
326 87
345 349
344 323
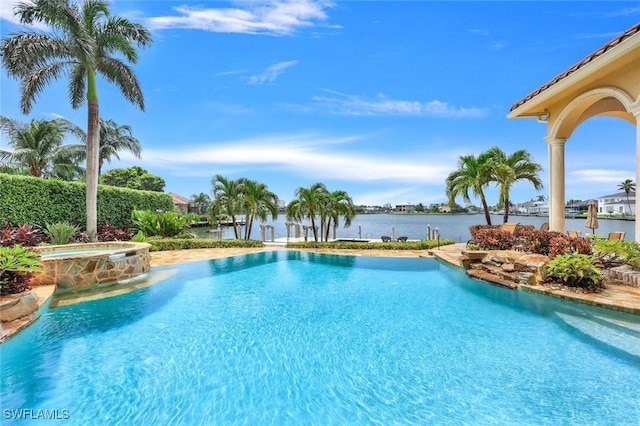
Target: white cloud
345 104
479 31
600 176
232 72
256 17
272 72
319 157
7 14
6 11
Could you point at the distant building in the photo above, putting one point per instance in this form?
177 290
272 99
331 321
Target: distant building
180 203
617 204
405 208
535 208
444 208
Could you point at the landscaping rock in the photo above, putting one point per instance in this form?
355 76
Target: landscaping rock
27 305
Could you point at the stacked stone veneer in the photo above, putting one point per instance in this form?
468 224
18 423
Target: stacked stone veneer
126 260
506 268
623 275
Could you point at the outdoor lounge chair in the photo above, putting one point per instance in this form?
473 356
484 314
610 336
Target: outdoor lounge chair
510 227
385 239
616 236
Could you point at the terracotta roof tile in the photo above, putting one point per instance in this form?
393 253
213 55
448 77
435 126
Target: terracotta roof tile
178 199
628 33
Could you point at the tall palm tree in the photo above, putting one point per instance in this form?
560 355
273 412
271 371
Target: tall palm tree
113 140
472 177
628 187
338 203
82 44
509 169
308 204
227 195
38 147
200 200
258 203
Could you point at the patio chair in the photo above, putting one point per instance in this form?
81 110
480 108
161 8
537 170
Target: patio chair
510 227
616 236
544 227
385 239
403 239
574 233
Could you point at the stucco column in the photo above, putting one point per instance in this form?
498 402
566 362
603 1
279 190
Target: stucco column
635 110
556 184
550 173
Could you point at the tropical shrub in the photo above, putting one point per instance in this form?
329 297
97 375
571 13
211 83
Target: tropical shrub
165 224
536 241
108 232
198 243
563 244
473 229
615 253
23 235
348 245
17 268
61 232
576 270
26 199
494 239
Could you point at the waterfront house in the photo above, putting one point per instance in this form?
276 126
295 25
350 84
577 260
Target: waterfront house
405 208
617 204
180 203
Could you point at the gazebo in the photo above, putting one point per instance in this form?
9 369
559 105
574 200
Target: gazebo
605 83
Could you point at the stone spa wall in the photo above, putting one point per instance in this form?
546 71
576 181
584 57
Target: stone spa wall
73 266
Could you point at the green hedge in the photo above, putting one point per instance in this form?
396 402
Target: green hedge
36 201
199 243
348 245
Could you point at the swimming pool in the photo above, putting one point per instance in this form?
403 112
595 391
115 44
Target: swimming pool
295 338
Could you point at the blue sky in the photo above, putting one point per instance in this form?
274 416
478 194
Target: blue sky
375 98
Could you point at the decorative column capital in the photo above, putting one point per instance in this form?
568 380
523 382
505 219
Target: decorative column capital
555 141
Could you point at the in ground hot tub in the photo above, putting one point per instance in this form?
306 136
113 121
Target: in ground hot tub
82 265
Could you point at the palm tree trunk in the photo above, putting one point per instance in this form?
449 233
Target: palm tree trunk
506 210
313 228
248 226
326 232
93 148
487 216
235 227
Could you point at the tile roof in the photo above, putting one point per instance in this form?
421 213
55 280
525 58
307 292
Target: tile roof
601 51
178 199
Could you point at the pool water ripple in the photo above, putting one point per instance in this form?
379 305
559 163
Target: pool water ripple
293 338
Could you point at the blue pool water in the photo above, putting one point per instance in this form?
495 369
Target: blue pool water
299 338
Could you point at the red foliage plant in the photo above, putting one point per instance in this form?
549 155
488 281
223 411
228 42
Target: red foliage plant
494 239
563 244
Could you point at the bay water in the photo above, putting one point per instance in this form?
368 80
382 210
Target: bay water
416 226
